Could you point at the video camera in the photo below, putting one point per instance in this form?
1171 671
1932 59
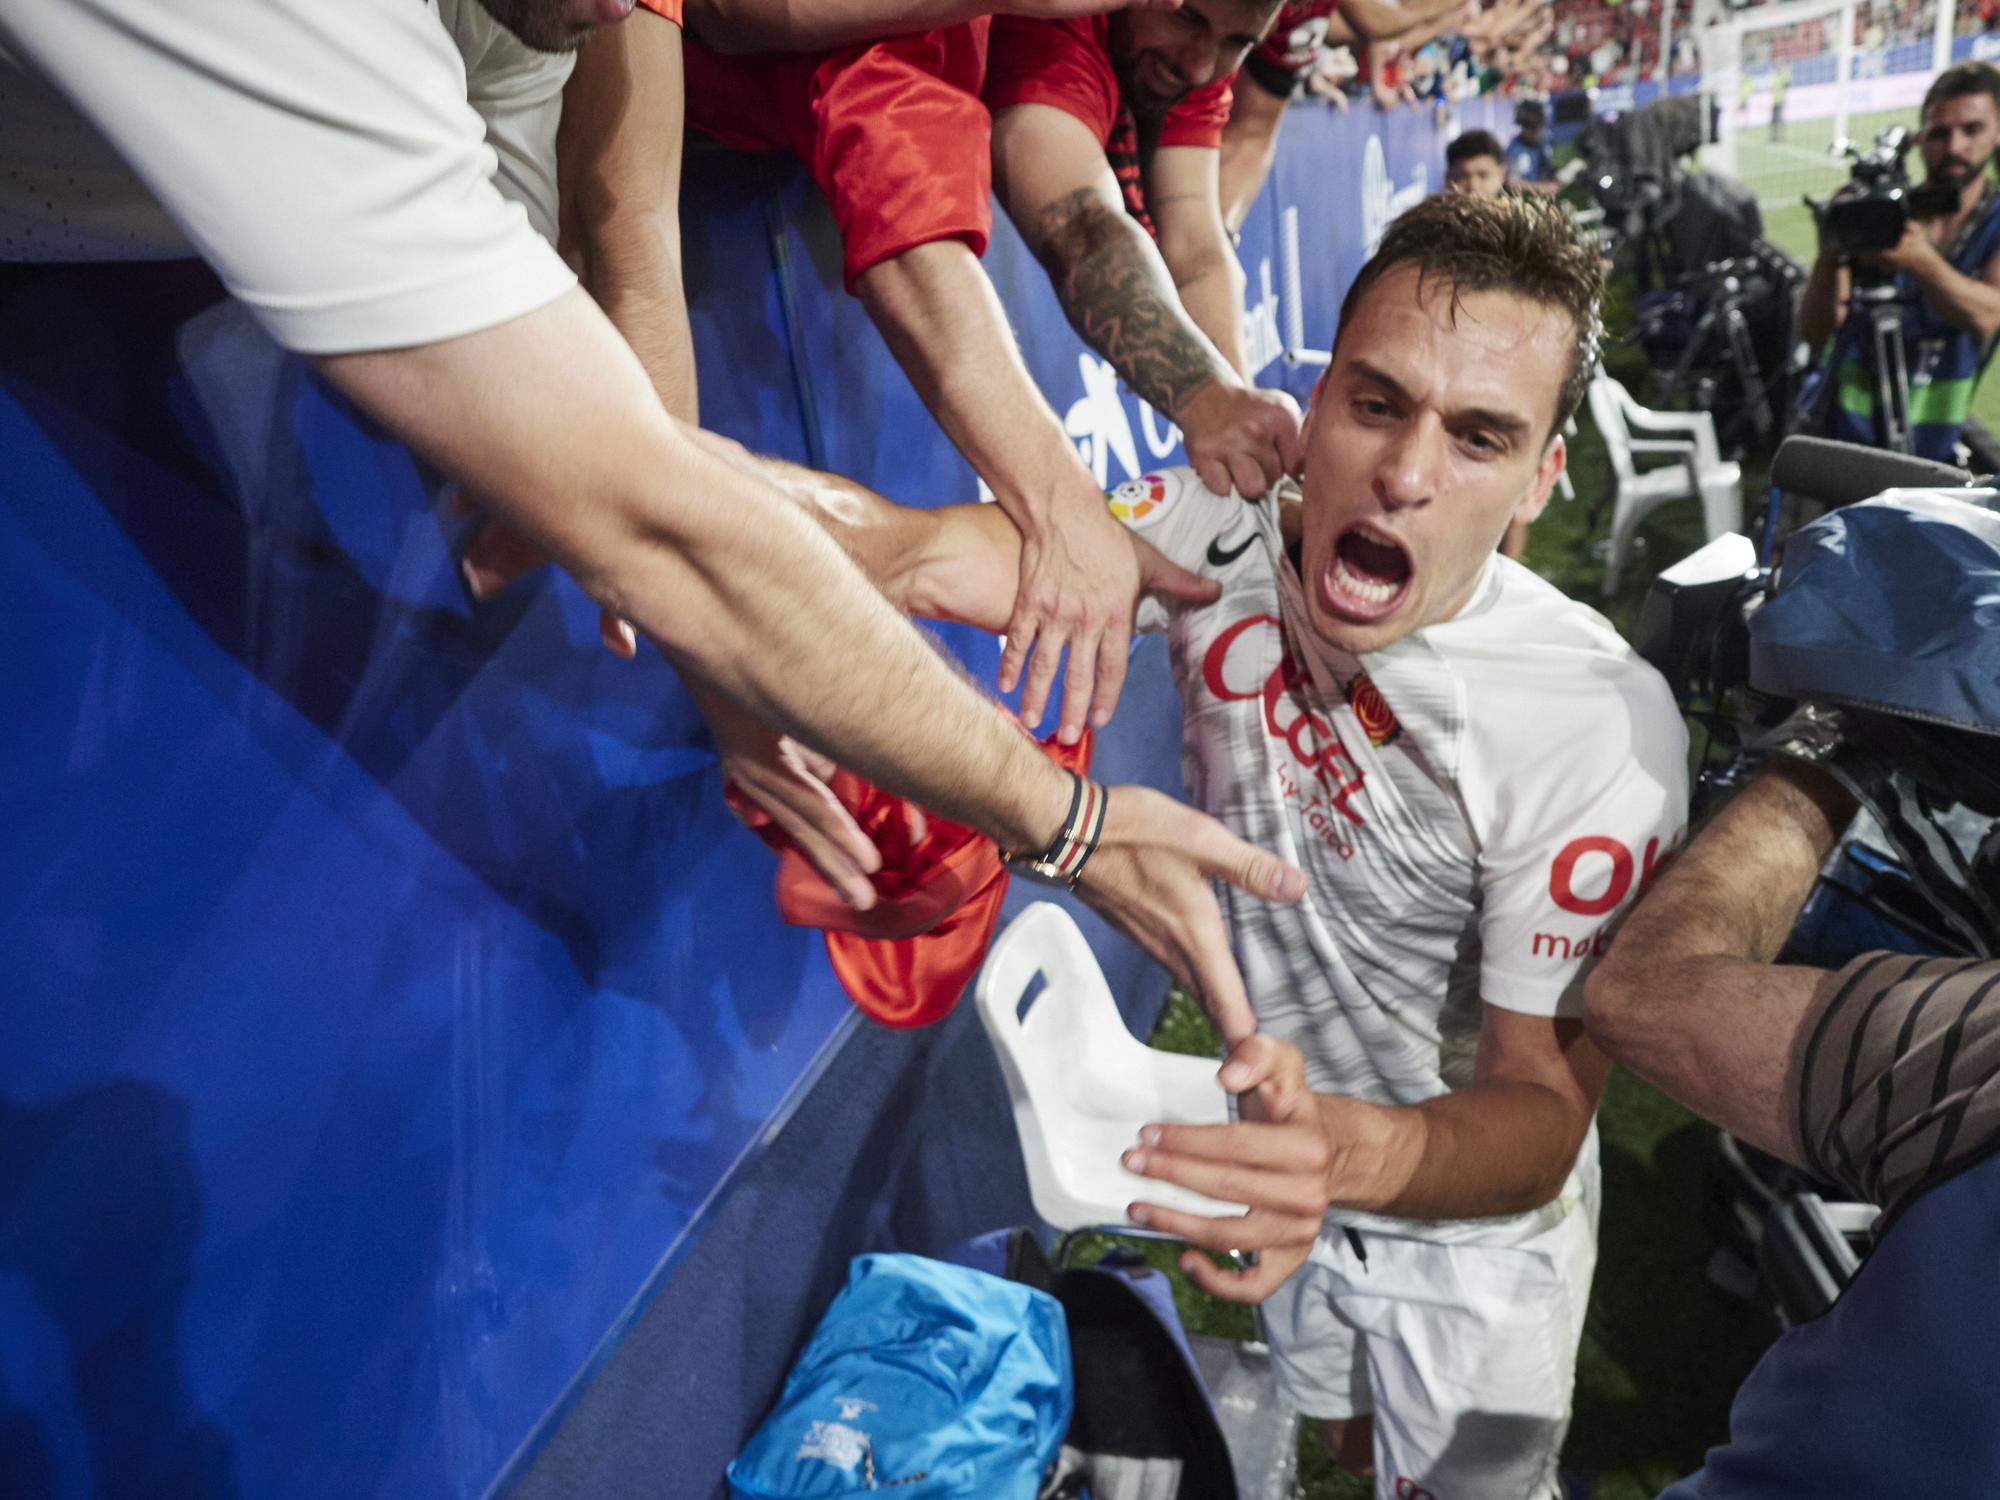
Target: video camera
1869 614
1870 211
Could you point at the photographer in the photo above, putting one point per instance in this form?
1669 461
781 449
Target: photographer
1883 1077
1946 273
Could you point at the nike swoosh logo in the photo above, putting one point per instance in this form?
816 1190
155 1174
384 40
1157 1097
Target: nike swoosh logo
1217 558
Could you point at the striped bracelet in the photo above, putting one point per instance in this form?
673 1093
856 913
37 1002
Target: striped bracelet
1063 861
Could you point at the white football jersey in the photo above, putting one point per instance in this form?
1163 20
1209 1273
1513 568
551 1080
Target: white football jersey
1472 805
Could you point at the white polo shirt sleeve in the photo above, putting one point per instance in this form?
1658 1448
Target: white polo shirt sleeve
322 157
1184 519
1578 828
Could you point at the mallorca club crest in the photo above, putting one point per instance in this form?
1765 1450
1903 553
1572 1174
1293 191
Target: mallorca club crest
1377 720
1142 501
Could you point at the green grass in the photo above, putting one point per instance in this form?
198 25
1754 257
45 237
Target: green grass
1662 1352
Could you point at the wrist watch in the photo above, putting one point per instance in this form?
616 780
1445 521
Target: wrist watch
1063 861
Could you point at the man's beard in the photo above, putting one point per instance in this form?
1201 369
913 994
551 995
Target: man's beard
541 24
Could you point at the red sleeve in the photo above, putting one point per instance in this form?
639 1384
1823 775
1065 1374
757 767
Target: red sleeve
1198 119
1063 63
670 9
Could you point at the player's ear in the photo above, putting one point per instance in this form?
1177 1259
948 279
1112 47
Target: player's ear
1555 458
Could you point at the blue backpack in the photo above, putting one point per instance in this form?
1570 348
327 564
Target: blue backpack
936 1381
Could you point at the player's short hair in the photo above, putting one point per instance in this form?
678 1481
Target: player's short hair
1961 79
1528 245
1473 143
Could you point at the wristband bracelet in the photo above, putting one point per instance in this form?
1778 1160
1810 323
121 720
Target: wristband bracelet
1063 861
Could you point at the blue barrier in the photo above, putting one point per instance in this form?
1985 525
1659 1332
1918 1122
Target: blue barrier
398 1033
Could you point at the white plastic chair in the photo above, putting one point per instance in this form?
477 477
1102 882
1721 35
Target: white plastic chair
1081 1084
1701 472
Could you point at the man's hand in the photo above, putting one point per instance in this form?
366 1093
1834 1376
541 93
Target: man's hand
1244 438
1149 878
499 554
789 782
1291 1155
1079 587
1910 253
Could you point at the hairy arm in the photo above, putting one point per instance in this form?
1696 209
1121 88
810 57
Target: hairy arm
941 318
1687 997
1184 195
1249 146
1059 190
1971 303
551 418
619 160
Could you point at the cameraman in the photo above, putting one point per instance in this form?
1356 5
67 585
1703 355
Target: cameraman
1883 1077
1947 277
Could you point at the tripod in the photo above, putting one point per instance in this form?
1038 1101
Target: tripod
1872 332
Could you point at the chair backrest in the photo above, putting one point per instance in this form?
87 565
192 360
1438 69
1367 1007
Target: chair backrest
1607 411
1080 1083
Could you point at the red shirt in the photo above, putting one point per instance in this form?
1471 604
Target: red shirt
1068 64
1293 45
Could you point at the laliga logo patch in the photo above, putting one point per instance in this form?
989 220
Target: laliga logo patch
1378 721
1142 501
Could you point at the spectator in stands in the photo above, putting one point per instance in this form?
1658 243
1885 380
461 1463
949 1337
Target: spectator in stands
1474 163
1947 277
1882 1078
328 164
1105 146
1455 751
1531 165
1781 80
1272 73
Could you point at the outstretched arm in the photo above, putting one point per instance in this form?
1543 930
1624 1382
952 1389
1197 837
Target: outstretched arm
1183 192
1053 178
1687 997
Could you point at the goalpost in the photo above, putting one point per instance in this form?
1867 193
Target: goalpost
1788 81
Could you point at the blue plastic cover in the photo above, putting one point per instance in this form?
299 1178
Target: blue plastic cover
1894 603
930 1379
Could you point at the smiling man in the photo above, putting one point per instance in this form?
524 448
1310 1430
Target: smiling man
1476 774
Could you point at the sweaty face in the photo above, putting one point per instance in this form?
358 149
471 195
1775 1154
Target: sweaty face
1959 136
1427 436
1481 176
556 25
1162 56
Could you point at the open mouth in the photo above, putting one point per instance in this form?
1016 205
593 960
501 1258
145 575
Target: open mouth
1368 575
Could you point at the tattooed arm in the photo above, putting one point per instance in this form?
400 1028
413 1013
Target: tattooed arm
1052 177
1183 193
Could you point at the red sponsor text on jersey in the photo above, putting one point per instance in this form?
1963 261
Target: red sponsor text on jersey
1311 739
1562 874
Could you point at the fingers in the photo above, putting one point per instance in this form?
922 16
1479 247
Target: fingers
1252 1284
1213 972
1169 580
1020 641
1292 447
1041 677
1083 657
1219 852
1112 656
496 557
1213 472
619 638
822 830
1247 475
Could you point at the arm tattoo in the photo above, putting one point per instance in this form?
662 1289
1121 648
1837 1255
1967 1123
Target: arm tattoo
1121 301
